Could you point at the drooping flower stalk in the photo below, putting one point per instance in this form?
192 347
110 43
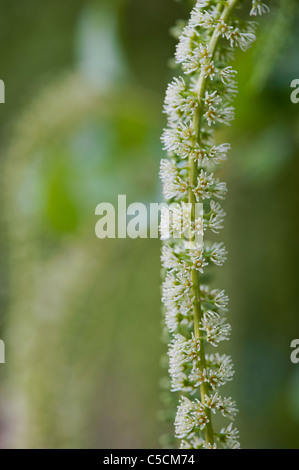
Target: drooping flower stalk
195 105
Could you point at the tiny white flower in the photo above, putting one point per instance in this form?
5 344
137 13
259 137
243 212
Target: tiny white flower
197 258
259 8
186 45
204 19
230 437
208 70
216 253
211 115
173 185
215 328
199 154
243 40
218 153
212 99
202 53
227 75
208 186
227 408
169 259
222 29
179 101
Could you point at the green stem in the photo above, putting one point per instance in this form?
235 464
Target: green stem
193 174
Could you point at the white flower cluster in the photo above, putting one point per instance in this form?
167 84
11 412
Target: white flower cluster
195 104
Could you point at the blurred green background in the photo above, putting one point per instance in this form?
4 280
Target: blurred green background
85 83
